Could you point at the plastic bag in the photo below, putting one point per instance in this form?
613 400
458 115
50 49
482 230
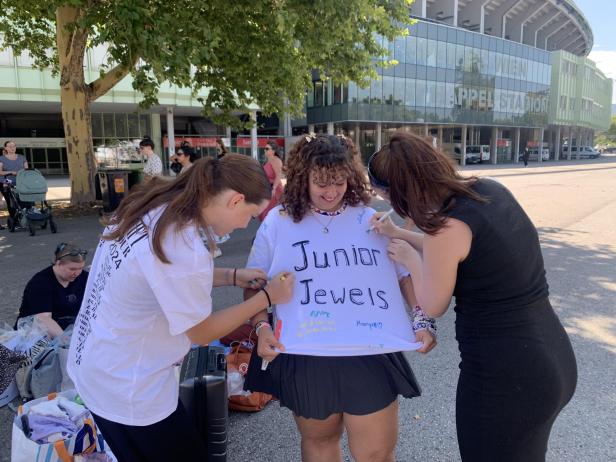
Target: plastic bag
31 341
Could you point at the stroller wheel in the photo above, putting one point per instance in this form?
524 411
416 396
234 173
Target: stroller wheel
31 228
52 226
10 222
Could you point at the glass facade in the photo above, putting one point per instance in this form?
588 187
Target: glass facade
445 75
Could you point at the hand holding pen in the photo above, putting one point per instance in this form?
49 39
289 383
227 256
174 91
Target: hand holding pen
382 224
269 344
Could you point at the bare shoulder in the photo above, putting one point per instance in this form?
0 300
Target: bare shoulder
454 238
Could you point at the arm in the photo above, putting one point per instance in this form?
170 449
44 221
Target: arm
277 166
51 326
423 326
224 321
5 172
388 228
434 274
244 278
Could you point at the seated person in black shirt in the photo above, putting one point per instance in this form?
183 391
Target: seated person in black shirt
54 294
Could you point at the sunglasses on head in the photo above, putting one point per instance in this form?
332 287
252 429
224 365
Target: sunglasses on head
374 181
72 253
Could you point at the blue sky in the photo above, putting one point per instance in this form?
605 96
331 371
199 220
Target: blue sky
602 17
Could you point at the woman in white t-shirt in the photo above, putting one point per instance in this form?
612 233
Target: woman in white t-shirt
149 296
343 332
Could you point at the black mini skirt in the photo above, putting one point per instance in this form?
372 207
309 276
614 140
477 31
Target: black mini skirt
315 387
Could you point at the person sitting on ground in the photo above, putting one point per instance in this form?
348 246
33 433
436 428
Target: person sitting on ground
153 165
54 294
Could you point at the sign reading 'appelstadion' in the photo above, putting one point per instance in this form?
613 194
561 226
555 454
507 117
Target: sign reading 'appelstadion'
489 100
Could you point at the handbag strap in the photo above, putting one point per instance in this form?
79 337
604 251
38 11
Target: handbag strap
62 452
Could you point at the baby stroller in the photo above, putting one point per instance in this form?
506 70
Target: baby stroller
30 187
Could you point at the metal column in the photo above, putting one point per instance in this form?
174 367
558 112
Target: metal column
254 151
493 146
463 146
516 145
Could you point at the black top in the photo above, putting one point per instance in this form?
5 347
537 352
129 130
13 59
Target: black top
504 268
44 294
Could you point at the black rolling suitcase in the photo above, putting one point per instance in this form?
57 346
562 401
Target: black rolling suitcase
203 392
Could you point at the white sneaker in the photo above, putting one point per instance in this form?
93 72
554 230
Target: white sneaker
217 253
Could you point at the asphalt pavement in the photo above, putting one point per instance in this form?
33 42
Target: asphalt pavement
573 205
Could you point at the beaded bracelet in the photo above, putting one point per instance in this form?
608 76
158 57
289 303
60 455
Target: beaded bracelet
422 322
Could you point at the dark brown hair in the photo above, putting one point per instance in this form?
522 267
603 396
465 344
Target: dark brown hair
275 148
328 155
421 180
186 195
221 145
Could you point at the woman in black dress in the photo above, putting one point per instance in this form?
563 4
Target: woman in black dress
518 369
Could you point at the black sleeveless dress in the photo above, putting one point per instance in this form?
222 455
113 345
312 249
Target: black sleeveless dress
517 367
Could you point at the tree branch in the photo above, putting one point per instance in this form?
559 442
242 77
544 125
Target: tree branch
105 83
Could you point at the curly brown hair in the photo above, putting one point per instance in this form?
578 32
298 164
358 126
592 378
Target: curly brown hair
330 156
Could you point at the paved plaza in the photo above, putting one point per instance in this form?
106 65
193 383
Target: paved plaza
573 204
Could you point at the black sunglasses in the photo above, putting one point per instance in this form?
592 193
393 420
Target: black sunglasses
374 181
72 253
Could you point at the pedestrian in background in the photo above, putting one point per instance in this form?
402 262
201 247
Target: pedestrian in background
149 297
518 369
10 164
273 169
153 165
221 150
525 156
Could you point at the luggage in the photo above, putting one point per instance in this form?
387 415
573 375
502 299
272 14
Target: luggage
203 392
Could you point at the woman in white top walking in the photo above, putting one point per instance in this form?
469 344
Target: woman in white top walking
149 296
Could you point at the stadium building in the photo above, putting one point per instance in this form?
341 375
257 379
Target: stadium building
487 78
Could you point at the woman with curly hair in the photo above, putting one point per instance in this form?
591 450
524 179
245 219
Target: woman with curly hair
334 373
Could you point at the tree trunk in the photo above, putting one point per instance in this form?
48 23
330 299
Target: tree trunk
78 134
75 99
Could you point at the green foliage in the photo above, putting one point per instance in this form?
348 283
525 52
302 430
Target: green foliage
608 137
230 53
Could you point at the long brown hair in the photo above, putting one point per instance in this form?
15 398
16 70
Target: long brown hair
186 195
328 155
421 180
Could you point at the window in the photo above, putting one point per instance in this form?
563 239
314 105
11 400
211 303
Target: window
422 51
318 94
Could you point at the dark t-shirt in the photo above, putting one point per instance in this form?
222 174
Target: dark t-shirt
44 294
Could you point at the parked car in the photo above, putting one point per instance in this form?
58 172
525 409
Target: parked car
586 152
475 154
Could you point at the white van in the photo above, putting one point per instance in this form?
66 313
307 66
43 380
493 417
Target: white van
586 152
482 149
474 153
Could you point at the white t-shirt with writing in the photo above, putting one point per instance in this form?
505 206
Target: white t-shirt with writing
347 299
130 331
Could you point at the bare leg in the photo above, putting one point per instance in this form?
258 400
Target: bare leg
373 437
321 438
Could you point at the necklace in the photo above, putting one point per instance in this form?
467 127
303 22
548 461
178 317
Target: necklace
325 228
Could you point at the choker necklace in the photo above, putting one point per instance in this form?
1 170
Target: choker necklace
325 228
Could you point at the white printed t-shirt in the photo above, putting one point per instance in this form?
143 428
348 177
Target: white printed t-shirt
130 331
347 299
